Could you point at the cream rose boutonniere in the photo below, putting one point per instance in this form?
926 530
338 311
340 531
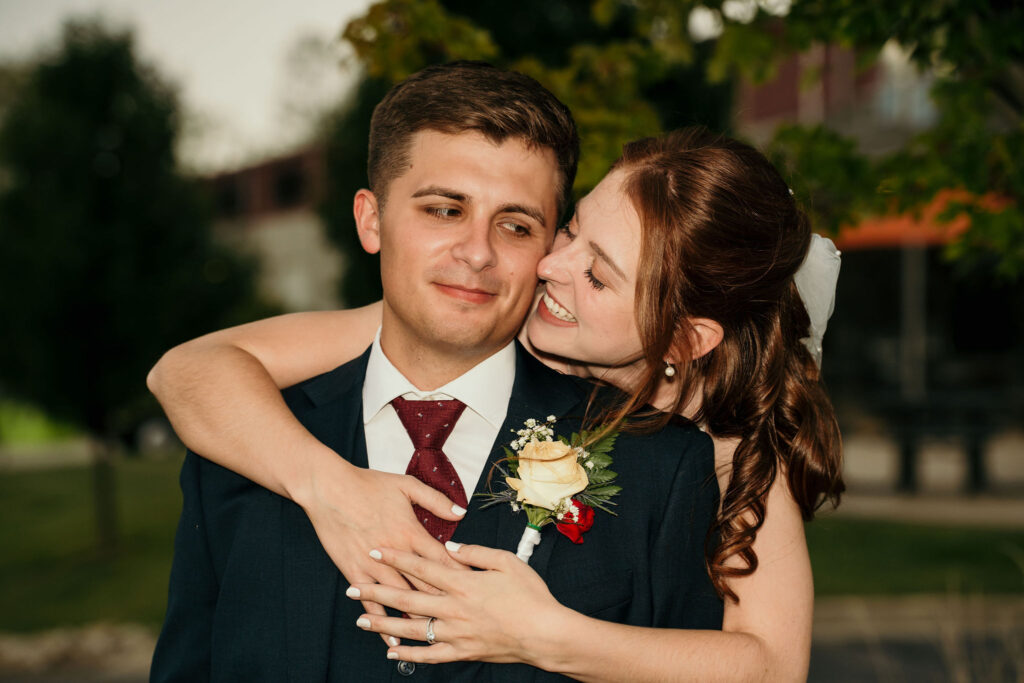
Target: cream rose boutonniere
548 472
555 480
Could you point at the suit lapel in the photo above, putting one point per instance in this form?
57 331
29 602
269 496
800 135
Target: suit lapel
538 391
310 577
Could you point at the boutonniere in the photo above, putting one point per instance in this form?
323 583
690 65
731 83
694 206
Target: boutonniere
555 480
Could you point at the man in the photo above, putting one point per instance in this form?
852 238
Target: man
470 167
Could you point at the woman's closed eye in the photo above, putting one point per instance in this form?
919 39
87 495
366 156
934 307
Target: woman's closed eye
594 282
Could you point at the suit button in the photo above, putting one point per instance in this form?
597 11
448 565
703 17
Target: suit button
406 668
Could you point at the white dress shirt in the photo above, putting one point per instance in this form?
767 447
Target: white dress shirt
485 390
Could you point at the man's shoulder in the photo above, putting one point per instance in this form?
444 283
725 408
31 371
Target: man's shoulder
329 386
680 438
679 444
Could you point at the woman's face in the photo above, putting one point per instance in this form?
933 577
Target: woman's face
586 308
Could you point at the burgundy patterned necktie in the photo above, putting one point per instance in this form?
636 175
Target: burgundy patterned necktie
429 423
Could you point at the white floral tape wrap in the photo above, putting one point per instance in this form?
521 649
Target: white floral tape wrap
816 282
531 537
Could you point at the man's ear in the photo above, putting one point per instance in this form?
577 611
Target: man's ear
367 214
704 335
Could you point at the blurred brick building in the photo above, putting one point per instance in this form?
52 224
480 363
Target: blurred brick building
269 210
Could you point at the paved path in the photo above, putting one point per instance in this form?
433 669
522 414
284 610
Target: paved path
951 638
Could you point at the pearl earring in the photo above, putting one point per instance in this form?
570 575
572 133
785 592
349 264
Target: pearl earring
670 370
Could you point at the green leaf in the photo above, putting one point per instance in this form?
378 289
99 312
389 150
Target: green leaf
600 476
598 503
538 516
606 491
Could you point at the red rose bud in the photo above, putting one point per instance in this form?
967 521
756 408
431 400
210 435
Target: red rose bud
576 521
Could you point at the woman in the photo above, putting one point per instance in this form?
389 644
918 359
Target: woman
675 282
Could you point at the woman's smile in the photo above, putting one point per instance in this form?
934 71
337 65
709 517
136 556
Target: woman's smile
550 306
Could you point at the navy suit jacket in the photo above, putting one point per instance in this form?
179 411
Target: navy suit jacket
254 596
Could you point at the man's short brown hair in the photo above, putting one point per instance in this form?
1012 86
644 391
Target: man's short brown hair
470 96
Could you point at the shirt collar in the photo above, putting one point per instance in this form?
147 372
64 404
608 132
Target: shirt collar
485 388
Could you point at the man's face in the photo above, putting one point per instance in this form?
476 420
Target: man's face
460 237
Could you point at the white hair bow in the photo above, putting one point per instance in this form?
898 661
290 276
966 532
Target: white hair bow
816 282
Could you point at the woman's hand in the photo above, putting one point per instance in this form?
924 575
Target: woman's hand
352 508
502 614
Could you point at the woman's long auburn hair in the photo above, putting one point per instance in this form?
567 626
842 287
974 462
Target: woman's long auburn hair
722 238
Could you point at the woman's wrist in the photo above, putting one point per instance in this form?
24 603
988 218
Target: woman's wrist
554 642
303 479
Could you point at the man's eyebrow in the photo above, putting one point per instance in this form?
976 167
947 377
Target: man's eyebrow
532 212
607 259
438 191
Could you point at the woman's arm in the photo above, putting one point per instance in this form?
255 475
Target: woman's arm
222 394
506 614
221 391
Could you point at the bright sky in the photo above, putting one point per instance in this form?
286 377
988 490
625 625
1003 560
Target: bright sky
230 61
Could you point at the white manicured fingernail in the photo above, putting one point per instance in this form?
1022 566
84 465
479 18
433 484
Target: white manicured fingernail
376 554
452 546
392 655
459 510
353 592
363 622
393 642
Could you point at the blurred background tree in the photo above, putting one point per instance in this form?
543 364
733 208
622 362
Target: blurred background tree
630 68
974 52
107 253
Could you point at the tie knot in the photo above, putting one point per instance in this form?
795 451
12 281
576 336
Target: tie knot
428 422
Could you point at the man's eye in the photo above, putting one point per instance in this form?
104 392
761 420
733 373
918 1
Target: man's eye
443 212
517 229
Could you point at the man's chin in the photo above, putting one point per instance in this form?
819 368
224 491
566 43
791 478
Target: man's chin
460 338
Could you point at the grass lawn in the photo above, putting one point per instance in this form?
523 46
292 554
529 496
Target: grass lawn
855 556
50 572
51 575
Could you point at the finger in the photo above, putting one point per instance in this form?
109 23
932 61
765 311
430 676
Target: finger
422 586
386 576
404 600
372 607
425 654
480 556
429 548
395 627
432 500
378 611
391 577
433 573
